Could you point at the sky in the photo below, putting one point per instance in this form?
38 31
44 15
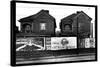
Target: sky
57 11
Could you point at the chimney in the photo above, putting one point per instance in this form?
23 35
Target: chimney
47 11
78 12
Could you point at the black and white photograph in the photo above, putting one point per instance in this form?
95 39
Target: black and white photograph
44 33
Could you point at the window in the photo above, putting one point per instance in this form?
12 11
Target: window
42 26
67 27
28 28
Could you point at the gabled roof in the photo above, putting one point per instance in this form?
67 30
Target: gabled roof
72 16
85 15
32 17
68 17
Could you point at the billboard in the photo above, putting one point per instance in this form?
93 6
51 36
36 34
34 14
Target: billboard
59 43
87 43
29 44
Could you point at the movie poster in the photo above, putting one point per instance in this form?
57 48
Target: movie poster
59 43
